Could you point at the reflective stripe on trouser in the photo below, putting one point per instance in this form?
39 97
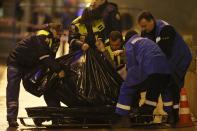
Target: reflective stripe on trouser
176 98
12 91
168 106
125 100
176 106
174 89
150 103
167 99
155 85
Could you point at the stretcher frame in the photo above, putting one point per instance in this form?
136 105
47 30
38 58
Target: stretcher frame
83 117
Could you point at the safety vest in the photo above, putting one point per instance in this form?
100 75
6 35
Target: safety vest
46 33
97 26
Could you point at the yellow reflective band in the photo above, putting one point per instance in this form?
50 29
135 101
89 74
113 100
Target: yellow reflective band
152 103
183 98
50 43
108 48
184 111
106 41
176 107
168 103
76 20
42 32
81 29
124 107
98 25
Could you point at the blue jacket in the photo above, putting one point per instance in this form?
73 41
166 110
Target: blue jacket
144 58
181 55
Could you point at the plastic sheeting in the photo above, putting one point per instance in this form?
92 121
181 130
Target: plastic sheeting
90 80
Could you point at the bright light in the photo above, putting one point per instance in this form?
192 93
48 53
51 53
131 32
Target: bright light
88 4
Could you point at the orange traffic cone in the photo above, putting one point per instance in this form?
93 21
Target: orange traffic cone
184 112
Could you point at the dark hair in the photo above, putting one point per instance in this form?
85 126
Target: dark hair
129 34
55 26
145 15
115 35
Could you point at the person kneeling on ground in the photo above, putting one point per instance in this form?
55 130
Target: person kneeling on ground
147 67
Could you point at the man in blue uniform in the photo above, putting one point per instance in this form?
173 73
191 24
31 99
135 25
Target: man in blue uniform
175 49
34 50
147 67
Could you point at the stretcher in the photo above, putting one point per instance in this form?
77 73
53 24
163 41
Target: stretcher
83 117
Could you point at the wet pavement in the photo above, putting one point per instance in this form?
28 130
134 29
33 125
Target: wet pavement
28 100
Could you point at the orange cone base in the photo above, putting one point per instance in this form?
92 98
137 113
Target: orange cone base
185 121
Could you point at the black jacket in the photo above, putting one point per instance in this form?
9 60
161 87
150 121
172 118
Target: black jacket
33 51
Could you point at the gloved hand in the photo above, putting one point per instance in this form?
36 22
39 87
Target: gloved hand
85 47
61 74
117 52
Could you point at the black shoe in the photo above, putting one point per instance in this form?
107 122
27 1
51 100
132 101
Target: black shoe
173 117
170 118
12 123
176 115
122 122
143 114
143 110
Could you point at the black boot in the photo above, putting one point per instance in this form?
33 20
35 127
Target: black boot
143 113
170 118
12 123
173 117
122 122
176 115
